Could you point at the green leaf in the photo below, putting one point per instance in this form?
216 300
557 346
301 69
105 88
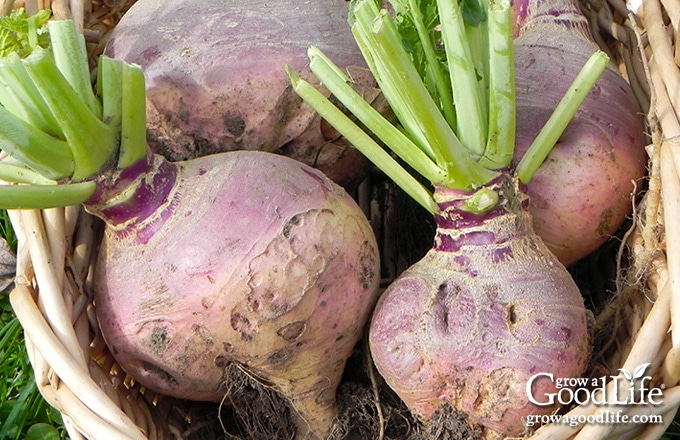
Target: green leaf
20 32
474 12
42 431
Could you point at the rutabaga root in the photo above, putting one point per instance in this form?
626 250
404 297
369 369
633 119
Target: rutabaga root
251 258
485 309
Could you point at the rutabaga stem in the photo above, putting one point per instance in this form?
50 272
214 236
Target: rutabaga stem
19 95
441 82
45 196
408 97
133 145
477 32
337 83
45 154
399 81
92 142
110 89
561 116
20 174
481 201
70 56
500 144
471 124
122 90
362 142
32 25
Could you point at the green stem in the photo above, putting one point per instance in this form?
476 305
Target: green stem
471 128
110 90
45 196
337 83
408 97
400 66
20 174
43 153
363 142
561 116
477 35
70 56
32 24
133 145
441 82
500 144
19 95
92 142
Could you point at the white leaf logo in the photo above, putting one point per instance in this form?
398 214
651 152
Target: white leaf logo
637 374
626 374
640 371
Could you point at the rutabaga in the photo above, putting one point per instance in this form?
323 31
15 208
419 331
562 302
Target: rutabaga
215 77
243 258
583 191
489 305
479 314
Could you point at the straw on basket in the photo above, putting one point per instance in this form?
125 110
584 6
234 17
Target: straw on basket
77 375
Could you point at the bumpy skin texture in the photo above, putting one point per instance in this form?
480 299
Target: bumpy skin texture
216 79
254 258
582 193
484 310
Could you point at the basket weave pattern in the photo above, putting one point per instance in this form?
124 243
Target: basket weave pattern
73 369
77 375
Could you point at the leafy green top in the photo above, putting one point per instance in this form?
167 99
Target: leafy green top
20 33
56 132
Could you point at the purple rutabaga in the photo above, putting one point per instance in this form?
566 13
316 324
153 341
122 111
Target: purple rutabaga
582 193
449 331
216 80
244 257
489 305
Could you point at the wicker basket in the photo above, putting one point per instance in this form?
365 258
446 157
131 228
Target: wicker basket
77 375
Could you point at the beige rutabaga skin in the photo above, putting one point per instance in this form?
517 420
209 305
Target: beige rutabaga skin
486 308
244 257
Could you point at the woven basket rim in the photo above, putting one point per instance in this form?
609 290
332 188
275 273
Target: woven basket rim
76 374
